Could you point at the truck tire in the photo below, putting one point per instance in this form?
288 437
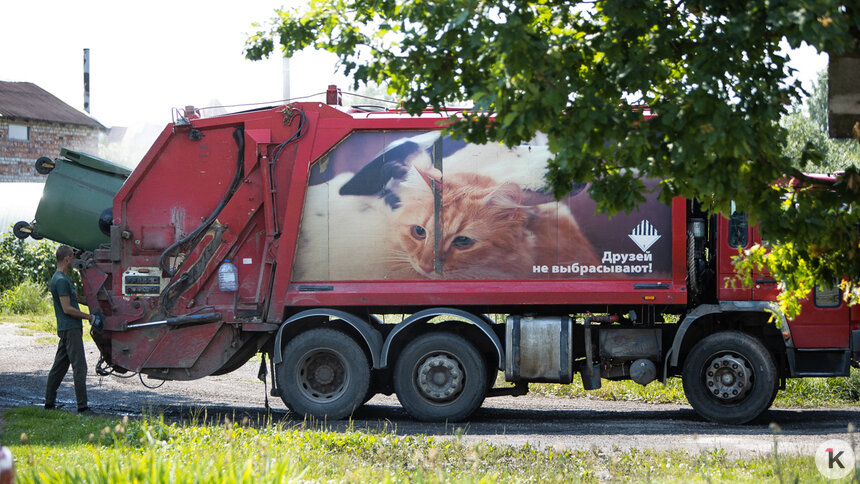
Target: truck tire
324 373
730 378
440 377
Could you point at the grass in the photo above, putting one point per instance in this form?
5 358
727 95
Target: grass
27 297
654 392
799 392
56 446
33 323
42 326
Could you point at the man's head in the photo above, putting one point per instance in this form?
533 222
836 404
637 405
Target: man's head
63 252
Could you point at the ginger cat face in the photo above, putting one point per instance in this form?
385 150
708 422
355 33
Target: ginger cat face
485 231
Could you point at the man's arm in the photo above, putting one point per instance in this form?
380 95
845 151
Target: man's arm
66 302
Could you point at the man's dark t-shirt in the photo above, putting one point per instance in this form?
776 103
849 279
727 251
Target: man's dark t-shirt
61 285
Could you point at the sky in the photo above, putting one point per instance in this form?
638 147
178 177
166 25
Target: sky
149 57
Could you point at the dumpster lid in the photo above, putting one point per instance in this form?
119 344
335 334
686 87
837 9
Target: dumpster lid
94 162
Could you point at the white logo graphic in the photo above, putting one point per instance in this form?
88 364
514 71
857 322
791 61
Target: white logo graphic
835 459
644 235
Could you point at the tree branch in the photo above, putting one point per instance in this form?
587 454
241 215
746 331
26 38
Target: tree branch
801 176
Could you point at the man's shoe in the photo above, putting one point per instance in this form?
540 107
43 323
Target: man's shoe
85 411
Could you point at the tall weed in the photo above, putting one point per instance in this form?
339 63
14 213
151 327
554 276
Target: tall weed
27 297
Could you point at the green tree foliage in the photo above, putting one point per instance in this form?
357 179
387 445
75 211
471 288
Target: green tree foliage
810 149
807 123
20 261
712 71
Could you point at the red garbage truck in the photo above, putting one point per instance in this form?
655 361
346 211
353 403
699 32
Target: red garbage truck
364 251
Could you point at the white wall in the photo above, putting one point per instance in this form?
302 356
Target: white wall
18 201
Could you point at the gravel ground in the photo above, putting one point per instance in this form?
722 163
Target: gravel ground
579 423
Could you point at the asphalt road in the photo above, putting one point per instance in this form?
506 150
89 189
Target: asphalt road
579 423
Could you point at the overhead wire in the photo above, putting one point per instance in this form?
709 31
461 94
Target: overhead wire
263 103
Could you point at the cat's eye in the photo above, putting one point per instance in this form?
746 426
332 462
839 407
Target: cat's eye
462 242
418 232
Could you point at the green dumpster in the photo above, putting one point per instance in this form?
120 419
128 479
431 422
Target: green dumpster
78 189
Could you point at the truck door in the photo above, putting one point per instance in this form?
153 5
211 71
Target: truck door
732 233
764 285
824 318
823 321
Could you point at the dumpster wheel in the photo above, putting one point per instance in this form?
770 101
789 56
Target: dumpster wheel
22 230
44 165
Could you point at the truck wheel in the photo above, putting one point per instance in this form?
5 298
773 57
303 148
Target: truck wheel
730 377
324 373
440 377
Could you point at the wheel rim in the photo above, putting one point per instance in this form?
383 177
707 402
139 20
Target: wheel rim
728 377
323 375
439 377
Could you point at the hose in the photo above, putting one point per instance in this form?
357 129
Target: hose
239 137
153 387
103 368
302 129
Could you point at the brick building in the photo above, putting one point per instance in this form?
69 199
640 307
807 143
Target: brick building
35 123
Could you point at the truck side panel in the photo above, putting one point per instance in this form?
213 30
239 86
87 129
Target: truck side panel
411 205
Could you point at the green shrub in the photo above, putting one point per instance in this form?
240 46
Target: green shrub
29 261
27 297
21 261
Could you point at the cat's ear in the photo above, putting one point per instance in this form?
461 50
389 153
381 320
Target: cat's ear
507 198
431 176
506 195
575 188
391 164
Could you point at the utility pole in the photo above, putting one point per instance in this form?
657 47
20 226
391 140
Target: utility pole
87 80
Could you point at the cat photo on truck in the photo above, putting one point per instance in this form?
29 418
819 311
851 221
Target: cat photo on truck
425 206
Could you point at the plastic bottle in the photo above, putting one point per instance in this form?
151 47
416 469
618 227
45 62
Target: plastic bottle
228 277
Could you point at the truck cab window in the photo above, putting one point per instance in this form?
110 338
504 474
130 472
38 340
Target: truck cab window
738 228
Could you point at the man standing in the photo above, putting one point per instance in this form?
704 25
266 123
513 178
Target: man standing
70 350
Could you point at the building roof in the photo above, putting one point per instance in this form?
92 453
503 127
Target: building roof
27 101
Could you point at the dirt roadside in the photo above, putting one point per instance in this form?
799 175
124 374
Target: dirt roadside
539 421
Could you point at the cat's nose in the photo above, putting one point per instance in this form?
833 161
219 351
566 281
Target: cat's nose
428 267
